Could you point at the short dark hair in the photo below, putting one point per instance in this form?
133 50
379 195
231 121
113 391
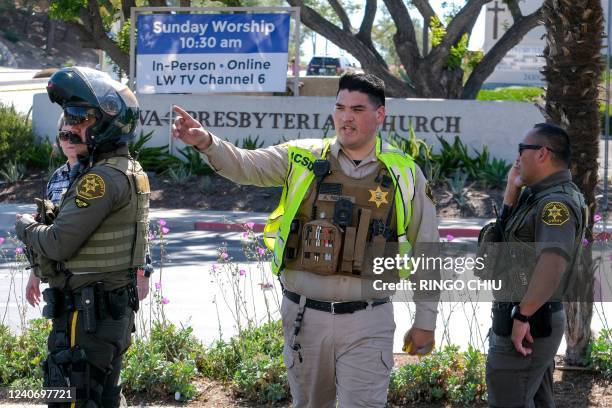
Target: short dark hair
369 84
556 139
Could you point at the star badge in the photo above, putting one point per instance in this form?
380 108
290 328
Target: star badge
378 197
91 186
555 213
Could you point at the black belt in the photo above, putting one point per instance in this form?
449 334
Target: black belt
334 307
552 306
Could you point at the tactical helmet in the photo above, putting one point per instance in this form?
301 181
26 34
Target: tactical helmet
84 92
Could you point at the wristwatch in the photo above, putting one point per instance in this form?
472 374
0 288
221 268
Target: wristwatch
516 314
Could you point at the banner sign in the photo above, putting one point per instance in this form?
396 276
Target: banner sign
204 53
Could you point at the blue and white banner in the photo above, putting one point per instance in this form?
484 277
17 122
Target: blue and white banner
203 53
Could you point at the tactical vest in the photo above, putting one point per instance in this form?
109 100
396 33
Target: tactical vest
521 256
308 237
120 241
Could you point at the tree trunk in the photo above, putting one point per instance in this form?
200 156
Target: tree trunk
573 71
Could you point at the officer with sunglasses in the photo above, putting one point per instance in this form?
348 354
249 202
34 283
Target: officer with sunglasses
98 238
542 224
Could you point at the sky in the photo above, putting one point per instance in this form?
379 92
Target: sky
323 45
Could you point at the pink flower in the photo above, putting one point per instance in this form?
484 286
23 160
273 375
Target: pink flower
19 250
250 225
1 240
266 285
449 237
597 217
165 230
245 235
162 223
165 301
261 251
242 272
151 236
158 285
224 256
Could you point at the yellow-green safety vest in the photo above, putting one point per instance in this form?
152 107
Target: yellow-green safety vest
299 177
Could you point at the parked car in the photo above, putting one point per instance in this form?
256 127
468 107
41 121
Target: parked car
330 66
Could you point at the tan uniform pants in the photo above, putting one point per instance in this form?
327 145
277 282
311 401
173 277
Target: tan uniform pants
343 356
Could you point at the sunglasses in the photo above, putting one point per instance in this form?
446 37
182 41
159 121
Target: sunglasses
75 115
522 147
68 136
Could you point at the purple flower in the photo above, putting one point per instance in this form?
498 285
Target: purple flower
261 251
242 272
162 223
165 230
19 250
245 234
250 225
449 237
165 301
597 217
214 268
585 241
1 240
158 285
151 236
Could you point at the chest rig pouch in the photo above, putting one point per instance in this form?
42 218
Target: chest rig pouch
341 221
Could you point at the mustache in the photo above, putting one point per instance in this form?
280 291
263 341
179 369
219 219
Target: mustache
71 137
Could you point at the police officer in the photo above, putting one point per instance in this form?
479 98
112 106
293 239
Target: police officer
543 227
341 196
97 240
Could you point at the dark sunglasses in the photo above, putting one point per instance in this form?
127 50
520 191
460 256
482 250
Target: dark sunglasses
68 136
75 115
523 147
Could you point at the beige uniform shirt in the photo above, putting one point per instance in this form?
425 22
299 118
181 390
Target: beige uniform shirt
268 167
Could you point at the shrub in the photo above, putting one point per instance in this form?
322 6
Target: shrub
12 172
445 375
40 154
21 355
517 94
157 159
600 353
164 364
252 362
494 173
15 133
194 161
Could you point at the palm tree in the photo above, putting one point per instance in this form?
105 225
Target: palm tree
573 72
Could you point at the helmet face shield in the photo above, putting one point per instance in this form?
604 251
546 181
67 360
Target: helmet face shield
75 115
84 93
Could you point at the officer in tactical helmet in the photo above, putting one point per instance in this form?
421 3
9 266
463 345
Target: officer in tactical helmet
341 196
97 241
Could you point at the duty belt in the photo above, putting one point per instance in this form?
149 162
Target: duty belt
334 307
552 306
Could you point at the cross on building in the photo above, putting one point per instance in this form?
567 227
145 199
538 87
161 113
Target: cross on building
496 9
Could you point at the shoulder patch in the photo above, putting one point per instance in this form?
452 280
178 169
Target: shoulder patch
91 186
555 213
80 203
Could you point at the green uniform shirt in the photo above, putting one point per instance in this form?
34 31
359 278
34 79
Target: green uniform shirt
78 219
551 224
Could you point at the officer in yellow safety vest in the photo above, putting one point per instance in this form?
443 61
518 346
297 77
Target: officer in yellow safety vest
342 198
